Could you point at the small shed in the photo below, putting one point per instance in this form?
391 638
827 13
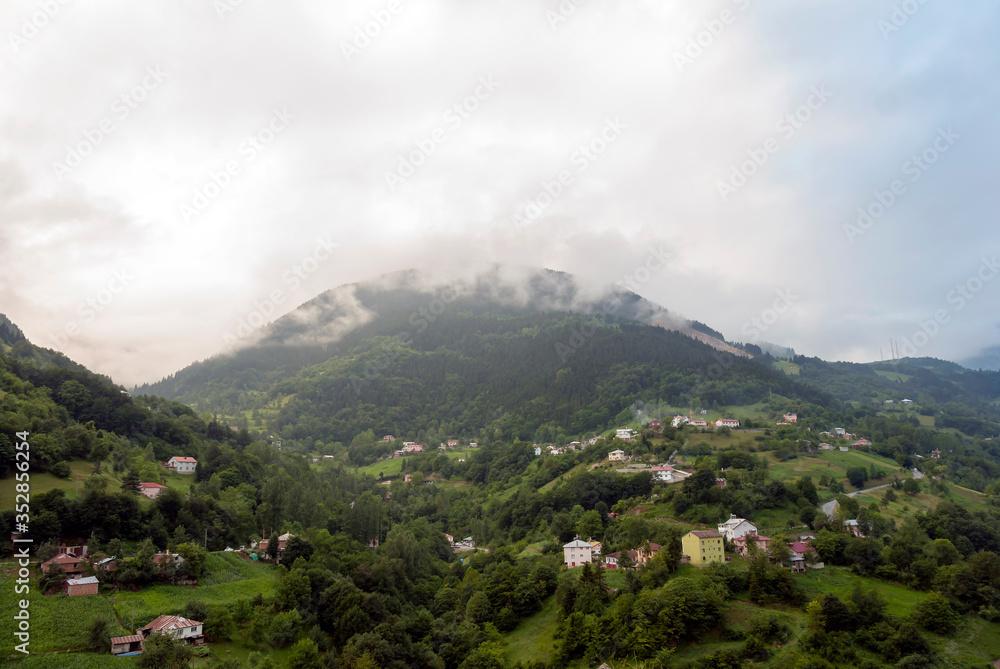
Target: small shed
126 645
76 587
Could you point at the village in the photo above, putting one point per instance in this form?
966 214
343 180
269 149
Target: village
76 573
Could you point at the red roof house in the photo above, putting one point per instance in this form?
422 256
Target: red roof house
69 563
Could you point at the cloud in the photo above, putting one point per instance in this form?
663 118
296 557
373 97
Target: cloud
558 85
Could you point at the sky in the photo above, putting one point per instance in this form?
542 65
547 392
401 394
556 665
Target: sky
820 175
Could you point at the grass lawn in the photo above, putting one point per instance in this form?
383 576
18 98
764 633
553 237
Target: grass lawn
840 581
70 661
789 368
893 376
73 486
534 639
833 464
45 482
161 599
976 644
59 623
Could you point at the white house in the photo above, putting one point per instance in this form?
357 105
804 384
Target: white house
577 552
151 490
625 434
907 402
538 449
182 464
176 626
736 527
678 421
616 456
727 422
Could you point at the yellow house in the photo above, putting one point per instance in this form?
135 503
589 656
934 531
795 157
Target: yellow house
703 547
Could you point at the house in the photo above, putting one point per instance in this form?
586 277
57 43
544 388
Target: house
611 560
655 425
698 423
853 527
69 563
826 447
452 443
593 440
167 558
646 552
76 587
473 444
791 418
736 527
451 539
799 549
282 542
616 456
178 627
151 490
328 457
727 422
538 449
936 454
625 434
73 546
410 447
182 464
107 564
839 431
126 645
907 402
577 552
388 437
844 449
743 543
889 402
678 421
861 443
703 547
722 483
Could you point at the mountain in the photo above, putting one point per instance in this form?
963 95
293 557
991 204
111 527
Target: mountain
531 348
988 358
16 345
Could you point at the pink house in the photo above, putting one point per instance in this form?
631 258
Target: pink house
861 443
742 543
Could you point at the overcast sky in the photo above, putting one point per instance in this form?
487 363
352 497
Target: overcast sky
166 168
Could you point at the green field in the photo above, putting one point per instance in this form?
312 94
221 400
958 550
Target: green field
59 623
394 466
533 640
787 367
45 482
81 470
71 661
833 464
893 376
225 587
840 581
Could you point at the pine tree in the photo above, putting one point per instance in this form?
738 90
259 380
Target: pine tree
131 481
